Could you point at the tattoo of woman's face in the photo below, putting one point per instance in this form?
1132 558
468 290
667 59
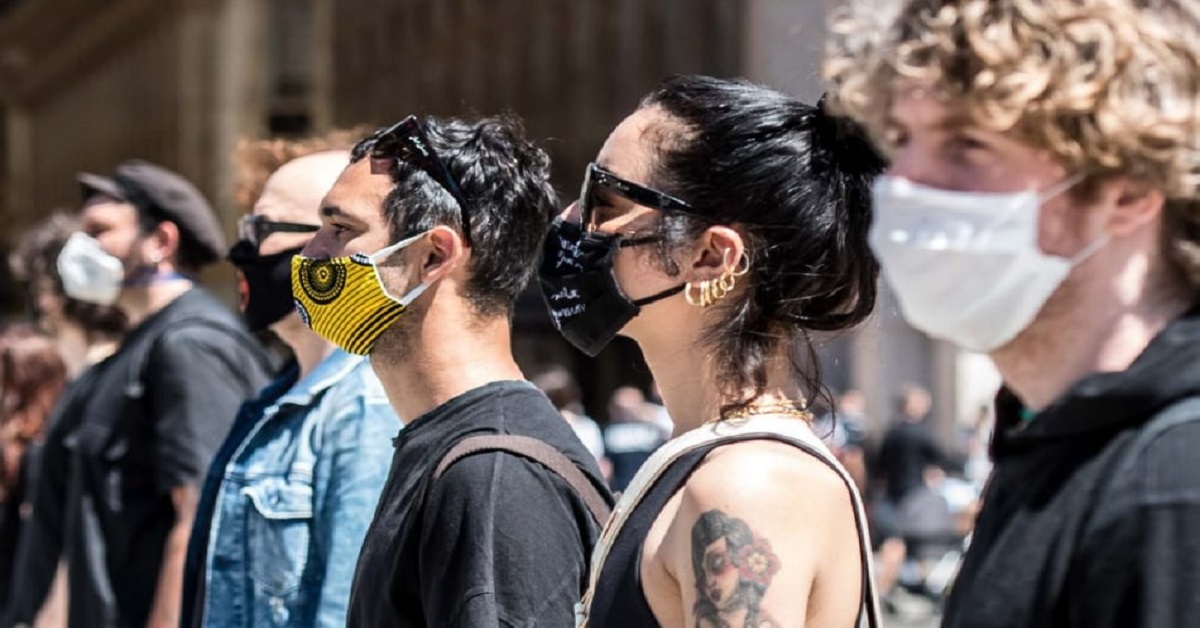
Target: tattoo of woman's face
733 569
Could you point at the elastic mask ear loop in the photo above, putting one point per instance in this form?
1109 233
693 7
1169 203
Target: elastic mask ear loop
654 298
1059 188
413 294
388 251
1090 250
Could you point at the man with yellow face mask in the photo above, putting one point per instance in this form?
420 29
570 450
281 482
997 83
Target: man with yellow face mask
426 241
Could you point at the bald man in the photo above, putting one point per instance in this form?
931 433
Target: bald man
288 498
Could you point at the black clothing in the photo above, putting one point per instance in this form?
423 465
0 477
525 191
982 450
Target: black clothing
619 600
497 540
908 449
11 520
43 537
152 416
627 445
1092 515
248 417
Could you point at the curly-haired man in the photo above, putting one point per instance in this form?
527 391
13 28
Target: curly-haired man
1043 206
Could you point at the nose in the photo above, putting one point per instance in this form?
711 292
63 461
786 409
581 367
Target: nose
321 246
907 163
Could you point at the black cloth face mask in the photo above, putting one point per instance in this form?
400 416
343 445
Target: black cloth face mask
576 274
268 282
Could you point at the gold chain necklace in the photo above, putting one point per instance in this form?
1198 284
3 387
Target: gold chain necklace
792 409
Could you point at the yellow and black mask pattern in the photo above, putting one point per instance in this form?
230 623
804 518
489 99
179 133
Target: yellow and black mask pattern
343 300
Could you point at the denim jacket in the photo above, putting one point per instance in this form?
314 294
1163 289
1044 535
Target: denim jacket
295 498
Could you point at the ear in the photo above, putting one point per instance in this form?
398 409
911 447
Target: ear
1134 206
162 243
717 250
445 252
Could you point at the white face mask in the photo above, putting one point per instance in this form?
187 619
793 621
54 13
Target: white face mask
88 273
966 266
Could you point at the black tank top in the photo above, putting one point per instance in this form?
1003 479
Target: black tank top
618 600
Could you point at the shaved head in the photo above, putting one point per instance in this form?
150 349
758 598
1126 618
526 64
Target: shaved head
294 192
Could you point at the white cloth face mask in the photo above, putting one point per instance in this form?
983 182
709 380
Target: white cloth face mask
88 273
966 266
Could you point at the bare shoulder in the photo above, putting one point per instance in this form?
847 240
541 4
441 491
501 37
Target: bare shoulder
756 526
765 473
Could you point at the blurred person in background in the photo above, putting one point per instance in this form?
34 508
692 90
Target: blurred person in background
85 334
909 452
845 431
153 413
426 241
32 374
721 222
910 447
1042 206
662 418
289 495
563 391
631 435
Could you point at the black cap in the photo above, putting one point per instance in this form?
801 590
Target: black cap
164 195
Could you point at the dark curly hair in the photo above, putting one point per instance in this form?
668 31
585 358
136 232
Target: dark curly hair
506 181
795 182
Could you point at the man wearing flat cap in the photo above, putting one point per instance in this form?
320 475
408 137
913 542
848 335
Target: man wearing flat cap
150 417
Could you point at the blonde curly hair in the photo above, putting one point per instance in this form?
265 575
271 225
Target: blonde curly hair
1110 88
256 160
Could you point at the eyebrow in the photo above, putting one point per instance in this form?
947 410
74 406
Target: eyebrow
949 123
331 211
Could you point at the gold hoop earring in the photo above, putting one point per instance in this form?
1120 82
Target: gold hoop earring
728 279
717 291
709 291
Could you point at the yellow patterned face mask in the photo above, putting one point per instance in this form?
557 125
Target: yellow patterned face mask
344 300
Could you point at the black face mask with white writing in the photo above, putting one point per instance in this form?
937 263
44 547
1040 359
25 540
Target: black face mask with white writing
585 302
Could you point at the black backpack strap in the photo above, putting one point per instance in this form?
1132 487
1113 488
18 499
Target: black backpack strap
537 451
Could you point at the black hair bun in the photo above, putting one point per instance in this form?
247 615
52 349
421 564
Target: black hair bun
846 140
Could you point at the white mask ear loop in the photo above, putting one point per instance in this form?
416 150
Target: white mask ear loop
388 251
413 294
1090 250
1059 188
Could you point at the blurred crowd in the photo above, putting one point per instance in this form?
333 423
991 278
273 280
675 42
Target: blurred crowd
357 445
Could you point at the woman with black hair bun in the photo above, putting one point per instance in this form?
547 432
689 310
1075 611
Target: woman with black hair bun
721 223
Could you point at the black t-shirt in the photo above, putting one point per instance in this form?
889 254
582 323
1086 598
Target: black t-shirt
154 414
908 449
497 540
